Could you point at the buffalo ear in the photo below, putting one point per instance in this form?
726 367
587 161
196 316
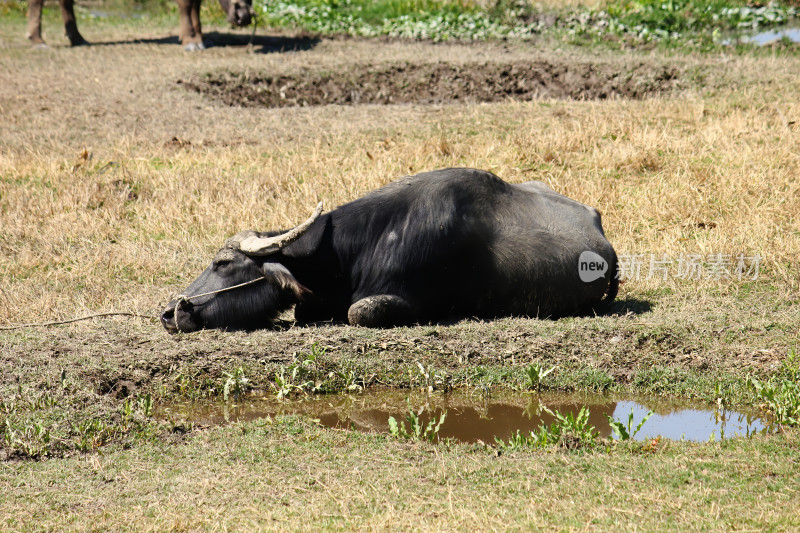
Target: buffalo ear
312 239
281 275
301 291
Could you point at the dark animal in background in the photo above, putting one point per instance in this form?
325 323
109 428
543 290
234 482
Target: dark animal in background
240 14
446 244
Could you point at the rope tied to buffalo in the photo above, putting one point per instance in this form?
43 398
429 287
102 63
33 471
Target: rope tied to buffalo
181 299
71 320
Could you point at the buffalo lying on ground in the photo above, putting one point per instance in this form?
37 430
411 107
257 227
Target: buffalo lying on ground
240 13
440 245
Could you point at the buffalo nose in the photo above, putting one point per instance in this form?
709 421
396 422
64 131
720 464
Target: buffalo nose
168 320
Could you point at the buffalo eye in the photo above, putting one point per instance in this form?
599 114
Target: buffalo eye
221 263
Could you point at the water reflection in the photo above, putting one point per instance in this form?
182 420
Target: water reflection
473 418
767 37
693 424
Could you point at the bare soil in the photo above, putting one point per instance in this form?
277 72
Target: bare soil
438 83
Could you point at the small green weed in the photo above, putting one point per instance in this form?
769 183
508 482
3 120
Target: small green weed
30 438
236 384
349 379
568 431
45 400
781 393
625 431
298 377
145 404
193 386
90 434
575 427
433 379
416 430
126 410
141 405
535 374
790 368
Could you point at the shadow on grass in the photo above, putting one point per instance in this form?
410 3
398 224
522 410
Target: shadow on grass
263 44
628 305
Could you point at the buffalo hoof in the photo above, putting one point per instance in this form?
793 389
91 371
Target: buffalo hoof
194 47
381 311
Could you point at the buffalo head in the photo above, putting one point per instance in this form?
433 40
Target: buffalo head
243 288
240 12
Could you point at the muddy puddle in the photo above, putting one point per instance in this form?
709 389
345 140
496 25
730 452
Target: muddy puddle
475 417
436 83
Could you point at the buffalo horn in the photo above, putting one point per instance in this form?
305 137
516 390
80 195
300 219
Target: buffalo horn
269 245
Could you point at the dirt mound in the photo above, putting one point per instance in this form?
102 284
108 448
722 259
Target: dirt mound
437 83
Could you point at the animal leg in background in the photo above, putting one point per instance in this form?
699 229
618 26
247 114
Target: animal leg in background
190 30
67 13
240 13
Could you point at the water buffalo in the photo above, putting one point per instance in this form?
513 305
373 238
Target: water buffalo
450 243
240 13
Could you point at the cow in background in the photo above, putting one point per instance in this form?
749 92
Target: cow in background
240 14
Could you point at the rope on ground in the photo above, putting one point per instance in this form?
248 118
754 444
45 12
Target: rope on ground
70 321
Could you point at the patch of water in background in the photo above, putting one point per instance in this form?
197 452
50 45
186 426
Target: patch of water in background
473 418
760 39
767 37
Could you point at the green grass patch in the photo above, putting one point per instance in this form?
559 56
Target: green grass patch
666 18
704 23
437 20
700 24
13 7
60 411
297 475
780 394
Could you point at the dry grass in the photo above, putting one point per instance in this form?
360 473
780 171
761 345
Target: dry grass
289 475
167 175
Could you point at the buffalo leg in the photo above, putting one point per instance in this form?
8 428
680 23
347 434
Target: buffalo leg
67 14
70 25
190 31
35 21
383 310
